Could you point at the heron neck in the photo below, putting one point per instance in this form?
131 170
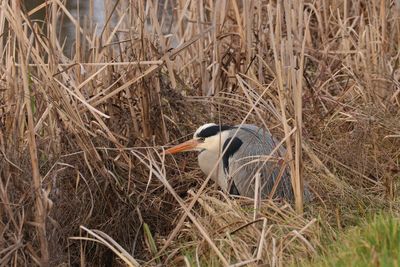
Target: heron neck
207 161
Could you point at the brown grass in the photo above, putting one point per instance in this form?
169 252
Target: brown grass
82 176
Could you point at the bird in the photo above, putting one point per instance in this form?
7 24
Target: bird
245 153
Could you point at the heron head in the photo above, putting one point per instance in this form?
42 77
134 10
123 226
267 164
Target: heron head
207 137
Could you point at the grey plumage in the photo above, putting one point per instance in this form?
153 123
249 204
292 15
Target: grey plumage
253 158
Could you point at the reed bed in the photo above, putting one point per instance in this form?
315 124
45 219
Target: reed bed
83 179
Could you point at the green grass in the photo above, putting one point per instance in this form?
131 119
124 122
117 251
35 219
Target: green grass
375 242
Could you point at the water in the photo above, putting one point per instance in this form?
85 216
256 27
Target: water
79 9
92 16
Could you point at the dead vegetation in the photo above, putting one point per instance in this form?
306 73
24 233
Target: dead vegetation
82 176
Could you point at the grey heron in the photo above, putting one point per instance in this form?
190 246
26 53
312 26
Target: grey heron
245 152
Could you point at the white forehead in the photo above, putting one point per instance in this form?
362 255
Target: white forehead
201 128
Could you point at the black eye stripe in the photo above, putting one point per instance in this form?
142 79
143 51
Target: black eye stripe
213 130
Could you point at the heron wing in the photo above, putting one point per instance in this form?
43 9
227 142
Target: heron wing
253 158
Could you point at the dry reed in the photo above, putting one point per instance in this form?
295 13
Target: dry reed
82 175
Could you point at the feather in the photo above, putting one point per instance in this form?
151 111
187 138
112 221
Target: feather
254 156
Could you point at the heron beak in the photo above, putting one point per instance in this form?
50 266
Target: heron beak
186 146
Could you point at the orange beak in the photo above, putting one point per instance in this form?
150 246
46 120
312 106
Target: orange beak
186 146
